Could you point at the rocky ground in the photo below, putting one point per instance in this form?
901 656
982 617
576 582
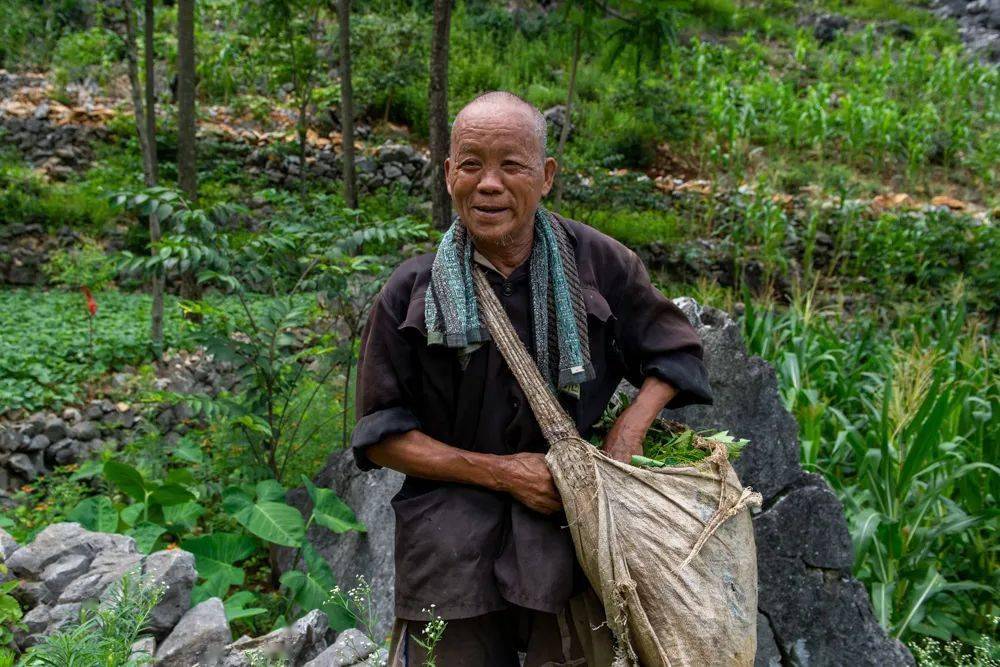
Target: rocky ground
67 567
978 24
33 446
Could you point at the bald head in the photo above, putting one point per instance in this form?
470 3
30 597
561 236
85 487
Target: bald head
501 102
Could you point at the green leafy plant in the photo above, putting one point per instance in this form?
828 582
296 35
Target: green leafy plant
103 636
261 510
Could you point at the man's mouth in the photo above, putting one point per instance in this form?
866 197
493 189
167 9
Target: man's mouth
489 210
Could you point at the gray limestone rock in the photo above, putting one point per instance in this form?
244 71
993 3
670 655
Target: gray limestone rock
37 443
174 570
21 465
8 545
58 575
294 644
85 430
351 647
143 650
747 403
55 429
350 554
60 540
106 568
200 638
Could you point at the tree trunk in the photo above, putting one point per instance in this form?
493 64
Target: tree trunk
152 176
150 54
132 59
187 174
346 104
187 168
564 131
438 110
145 126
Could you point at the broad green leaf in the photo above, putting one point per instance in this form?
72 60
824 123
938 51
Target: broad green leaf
87 469
145 535
181 476
274 522
184 515
270 489
130 515
214 587
96 513
319 570
330 511
126 478
237 502
236 606
171 494
188 451
218 553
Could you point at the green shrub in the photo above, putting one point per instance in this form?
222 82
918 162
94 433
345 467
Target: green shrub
91 53
86 265
103 636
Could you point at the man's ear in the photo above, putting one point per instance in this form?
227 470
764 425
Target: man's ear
447 173
551 167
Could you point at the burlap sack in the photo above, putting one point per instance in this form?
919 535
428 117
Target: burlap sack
669 551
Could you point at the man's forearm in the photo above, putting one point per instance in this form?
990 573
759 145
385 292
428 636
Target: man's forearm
626 435
524 475
417 454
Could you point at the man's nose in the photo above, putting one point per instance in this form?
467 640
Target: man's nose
490 183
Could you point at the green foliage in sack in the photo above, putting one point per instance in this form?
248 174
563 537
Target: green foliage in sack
667 442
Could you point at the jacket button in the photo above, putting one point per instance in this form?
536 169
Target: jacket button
508 289
515 404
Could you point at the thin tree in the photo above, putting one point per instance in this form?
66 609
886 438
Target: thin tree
187 166
145 126
187 174
346 103
581 16
438 112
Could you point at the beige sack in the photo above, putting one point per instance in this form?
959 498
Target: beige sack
669 551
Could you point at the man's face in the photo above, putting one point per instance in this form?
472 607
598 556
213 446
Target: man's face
495 173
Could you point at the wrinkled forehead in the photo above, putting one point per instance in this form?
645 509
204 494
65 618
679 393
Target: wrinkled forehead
497 126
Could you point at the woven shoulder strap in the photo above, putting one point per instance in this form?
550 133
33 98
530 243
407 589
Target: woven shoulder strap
556 425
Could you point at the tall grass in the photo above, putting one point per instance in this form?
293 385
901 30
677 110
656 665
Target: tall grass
905 427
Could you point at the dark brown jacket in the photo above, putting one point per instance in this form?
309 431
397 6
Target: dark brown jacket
466 549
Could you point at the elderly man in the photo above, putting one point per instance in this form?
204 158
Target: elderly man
480 537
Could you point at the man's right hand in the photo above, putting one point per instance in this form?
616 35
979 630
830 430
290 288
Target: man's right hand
525 476
528 479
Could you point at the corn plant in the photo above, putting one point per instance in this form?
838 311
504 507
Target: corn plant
905 429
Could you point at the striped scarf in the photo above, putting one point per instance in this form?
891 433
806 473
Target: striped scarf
561 348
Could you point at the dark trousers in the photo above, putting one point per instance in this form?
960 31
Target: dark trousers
496 639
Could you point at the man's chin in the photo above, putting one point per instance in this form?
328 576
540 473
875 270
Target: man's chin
494 235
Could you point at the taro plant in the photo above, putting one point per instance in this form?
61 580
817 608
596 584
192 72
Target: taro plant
261 509
157 508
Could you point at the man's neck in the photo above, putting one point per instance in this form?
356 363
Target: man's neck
507 257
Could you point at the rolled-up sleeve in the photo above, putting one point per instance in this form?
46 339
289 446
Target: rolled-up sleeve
384 399
656 338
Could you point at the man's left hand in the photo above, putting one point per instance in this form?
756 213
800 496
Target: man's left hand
624 440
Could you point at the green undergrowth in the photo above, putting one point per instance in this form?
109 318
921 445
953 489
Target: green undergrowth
902 420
